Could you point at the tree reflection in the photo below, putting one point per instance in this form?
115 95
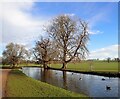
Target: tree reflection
46 75
64 80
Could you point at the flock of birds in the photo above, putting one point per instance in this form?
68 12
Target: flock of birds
103 79
107 86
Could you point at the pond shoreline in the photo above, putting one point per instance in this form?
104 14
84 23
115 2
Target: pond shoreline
106 74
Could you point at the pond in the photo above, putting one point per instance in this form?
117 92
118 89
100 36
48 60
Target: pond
91 85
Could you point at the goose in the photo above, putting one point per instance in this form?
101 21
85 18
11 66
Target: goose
108 87
103 78
80 78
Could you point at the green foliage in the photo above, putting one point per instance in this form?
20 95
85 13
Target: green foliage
19 85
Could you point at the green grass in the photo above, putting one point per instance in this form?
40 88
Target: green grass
21 65
28 65
97 66
0 65
19 85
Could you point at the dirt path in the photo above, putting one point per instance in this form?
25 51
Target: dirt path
3 80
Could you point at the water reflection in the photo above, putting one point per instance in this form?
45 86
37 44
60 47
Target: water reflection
90 85
65 80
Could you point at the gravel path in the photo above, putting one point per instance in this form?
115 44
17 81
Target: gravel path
3 80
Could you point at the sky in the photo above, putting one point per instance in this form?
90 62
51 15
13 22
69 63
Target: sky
23 22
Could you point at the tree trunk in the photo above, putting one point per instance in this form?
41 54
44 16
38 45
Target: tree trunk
65 79
13 65
45 65
64 65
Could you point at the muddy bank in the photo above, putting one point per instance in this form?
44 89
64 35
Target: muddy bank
11 68
106 74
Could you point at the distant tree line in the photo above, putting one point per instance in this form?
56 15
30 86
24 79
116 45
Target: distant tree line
106 59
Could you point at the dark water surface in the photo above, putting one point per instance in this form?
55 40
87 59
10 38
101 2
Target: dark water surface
90 85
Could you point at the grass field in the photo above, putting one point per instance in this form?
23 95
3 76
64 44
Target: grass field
97 66
19 85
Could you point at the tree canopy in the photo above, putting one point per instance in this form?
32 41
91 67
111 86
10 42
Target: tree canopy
13 54
45 51
71 36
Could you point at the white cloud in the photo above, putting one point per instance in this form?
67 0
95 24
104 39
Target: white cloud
66 0
70 14
96 18
102 15
18 25
18 1
95 32
110 51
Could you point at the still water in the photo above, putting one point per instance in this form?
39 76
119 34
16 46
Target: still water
90 85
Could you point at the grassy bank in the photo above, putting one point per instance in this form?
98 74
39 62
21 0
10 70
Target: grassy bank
19 85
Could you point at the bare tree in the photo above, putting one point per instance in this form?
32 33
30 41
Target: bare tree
44 51
13 54
108 59
71 36
29 55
